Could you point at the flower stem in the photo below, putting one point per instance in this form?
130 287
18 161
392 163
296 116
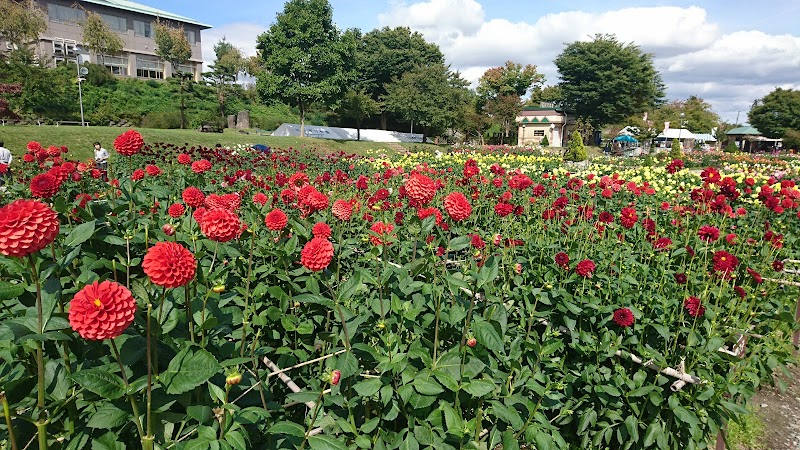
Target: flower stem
149 418
134 406
41 424
7 414
317 407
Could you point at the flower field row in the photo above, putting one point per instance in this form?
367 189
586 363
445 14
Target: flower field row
207 298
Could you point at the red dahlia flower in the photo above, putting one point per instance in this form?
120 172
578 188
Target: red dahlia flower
562 260
152 170
102 310
44 185
220 225
342 210
694 307
260 199
708 233
169 264
628 217
756 276
276 220
128 143
321 230
137 175
457 206
623 317
420 189
725 262
383 232
585 268
26 226
316 254
201 166
193 197
176 210
184 159
777 265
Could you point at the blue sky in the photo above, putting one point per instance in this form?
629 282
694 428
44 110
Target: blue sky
727 52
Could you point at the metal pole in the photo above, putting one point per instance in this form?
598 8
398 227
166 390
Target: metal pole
80 91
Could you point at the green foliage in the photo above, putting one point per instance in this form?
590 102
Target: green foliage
511 79
544 142
22 21
308 59
747 433
171 43
503 111
430 98
162 120
98 37
357 105
575 150
698 115
777 112
731 147
676 152
791 139
605 81
46 93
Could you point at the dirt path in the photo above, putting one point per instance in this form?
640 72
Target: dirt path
780 413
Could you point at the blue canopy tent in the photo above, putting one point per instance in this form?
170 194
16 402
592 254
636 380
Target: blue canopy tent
261 148
626 138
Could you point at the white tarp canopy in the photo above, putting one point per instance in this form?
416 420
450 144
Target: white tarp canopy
346 134
676 133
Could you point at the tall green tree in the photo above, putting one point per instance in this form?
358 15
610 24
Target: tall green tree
99 38
776 113
430 98
357 105
604 81
173 46
387 53
510 79
228 62
548 94
698 115
503 111
22 21
306 58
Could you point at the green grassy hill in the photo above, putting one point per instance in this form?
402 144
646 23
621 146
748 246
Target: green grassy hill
79 140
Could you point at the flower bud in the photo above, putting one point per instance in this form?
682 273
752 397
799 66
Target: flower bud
168 229
233 378
335 377
472 342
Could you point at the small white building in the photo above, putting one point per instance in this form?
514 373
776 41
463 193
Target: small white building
536 123
684 136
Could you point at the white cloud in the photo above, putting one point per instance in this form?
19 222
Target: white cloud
241 34
693 55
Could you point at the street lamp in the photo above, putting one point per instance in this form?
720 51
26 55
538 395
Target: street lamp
681 130
81 71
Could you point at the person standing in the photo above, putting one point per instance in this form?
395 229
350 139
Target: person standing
5 158
101 159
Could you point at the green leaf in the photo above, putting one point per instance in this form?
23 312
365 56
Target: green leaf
452 419
107 441
236 440
108 417
9 291
459 243
488 272
349 288
684 415
509 441
488 336
80 234
323 442
508 415
287 428
102 383
652 432
425 384
188 369
479 388
632 425
368 387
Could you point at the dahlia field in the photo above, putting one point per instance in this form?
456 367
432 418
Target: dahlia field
196 298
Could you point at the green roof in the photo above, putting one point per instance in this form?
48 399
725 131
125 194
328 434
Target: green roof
144 9
748 130
545 120
525 120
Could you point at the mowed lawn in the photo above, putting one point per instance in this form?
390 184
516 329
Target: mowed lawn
79 140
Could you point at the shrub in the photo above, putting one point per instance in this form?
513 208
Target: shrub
162 119
545 142
576 150
791 139
676 152
731 147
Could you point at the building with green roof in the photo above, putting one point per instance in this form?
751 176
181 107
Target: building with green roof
132 21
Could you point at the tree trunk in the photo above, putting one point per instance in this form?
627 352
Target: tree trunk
384 119
221 100
358 130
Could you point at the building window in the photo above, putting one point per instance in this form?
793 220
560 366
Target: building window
185 68
143 29
118 65
116 23
191 37
149 67
61 13
538 133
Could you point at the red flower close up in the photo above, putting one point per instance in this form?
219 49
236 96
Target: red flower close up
725 262
457 206
383 232
420 188
176 210
169 264
623 317
342 210
316 254
221 225
184 159
585 268
102 310
26 226
44 185
562 260
193 197
694 307
321 230
128 143
137 175
201 166
708 233
276 220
